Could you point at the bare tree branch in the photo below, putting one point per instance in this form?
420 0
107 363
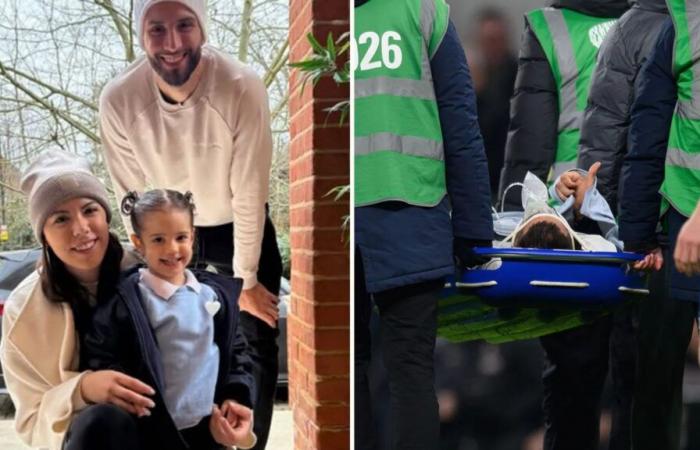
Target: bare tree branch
52 89
278 63
48 106
123 29
12 188
279 108
245 30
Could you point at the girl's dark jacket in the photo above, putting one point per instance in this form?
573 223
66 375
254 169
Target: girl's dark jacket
121 338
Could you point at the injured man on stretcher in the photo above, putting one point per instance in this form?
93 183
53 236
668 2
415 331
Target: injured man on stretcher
550 216
571 215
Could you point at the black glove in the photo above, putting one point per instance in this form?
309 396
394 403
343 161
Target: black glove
464 252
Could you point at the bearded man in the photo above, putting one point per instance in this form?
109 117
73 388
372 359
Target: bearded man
187 116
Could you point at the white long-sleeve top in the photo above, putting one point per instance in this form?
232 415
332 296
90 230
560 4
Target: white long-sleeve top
216 144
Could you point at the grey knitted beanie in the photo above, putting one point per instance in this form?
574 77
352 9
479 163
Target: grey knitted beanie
55 177
141 7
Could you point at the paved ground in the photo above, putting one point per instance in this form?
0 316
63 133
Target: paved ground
280 435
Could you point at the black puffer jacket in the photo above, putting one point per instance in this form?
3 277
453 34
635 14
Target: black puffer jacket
534 108
606 120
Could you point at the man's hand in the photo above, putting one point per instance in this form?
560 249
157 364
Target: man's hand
109 386
232 424
464 254
259 302
687 252
654 260
574 183
566 186
584 185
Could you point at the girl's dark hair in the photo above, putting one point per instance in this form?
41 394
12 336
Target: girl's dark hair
543 235
137 206
60 286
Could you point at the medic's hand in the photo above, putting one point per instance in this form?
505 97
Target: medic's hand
464 252
654 260
687 252
259 302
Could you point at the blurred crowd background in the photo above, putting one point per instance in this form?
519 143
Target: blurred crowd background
490 395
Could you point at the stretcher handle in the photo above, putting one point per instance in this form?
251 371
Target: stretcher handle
629 290
480 284
559 284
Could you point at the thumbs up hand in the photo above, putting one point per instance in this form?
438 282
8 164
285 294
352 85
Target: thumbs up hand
584 184
575 183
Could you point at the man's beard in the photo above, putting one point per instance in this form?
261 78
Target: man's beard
177 77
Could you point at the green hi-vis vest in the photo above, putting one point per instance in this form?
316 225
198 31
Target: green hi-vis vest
570 41
681 186
398 140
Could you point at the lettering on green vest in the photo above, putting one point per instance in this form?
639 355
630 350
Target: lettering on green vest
598 32
391 55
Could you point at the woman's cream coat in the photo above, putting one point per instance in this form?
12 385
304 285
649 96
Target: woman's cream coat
39 354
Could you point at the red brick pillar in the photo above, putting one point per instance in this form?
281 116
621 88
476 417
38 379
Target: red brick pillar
318 324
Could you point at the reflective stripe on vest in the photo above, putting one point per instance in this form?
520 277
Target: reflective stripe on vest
680 158
398 150
681 186
570 41
407 145
569 116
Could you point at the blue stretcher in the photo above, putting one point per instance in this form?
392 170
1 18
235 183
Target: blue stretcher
534 278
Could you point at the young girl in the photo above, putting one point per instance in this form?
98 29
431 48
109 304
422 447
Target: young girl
177 331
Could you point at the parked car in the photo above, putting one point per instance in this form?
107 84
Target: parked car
16 265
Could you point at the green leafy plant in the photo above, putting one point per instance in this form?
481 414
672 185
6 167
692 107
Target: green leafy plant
339 192
324 61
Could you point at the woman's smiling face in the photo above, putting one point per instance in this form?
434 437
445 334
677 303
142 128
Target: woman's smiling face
78 233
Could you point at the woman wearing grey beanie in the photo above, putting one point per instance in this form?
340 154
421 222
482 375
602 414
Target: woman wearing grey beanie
59 406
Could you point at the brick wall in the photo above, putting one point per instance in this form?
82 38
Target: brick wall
318 324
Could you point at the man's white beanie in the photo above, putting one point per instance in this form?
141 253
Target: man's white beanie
198 7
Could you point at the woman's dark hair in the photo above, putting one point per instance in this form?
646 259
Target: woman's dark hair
543 235
60 286
137 206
